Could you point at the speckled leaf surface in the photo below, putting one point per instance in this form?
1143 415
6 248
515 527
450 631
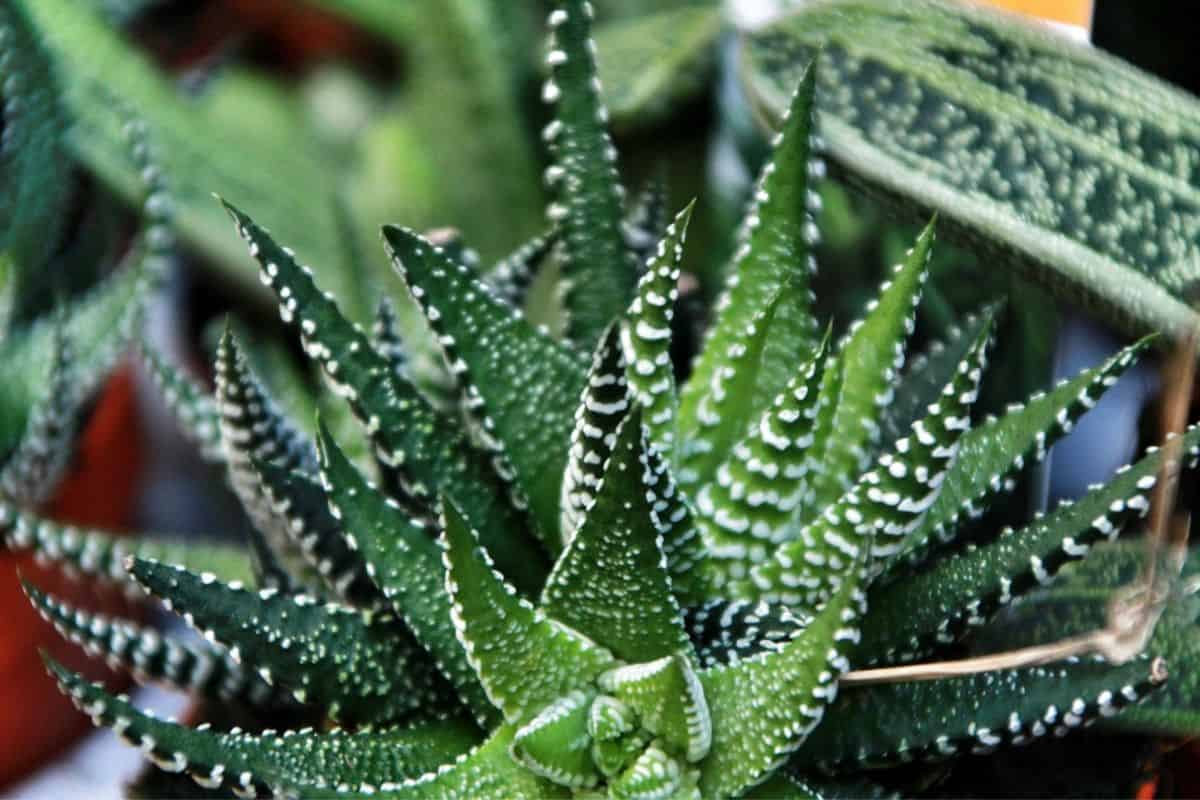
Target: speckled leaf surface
505 367
361 666
1076 168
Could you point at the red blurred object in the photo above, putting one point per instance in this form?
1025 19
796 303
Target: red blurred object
35 719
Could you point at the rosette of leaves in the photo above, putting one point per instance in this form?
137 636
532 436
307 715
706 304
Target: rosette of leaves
588 579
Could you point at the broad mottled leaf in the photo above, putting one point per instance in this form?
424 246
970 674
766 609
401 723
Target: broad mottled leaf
990 454
646 335
523 659
428 451
669 701
555 743
772 260
611 583
763 707
405 562
889 724
506 367
305 759
870 357
359 666
190 665
1053 156
598 271
937 604
652 63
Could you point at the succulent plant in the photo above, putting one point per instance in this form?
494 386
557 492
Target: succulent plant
589 580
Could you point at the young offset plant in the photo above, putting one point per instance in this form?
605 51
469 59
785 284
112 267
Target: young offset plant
589 580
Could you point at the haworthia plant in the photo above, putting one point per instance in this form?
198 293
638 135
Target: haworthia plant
1074 167
586 581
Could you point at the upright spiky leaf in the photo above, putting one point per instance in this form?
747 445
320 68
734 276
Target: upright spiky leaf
506 367
937 604
646 335
746 511
523 659
647 217
871 356
599 413
192 404
428 451
358 665
772 256
611 583
512 277
405 563
597 269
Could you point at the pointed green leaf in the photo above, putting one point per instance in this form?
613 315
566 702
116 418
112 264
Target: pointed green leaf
506 367
772 257
646 335
405 562
429 451
889 724
598 270
884 506
611 583
190 665
759 487
319 762
871 356
937 604
555 744
357 665
386 338
763 707
991 453
599 414
299 501
926 375
523 659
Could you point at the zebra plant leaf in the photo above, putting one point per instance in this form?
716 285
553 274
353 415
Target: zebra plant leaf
876 726
994 451
404 562
424 447
102 555
362 667
506 638
646 335
771 264
870 357
305 759
611 583
505 364
597 268
1054 156
190 665
512 277
937 604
